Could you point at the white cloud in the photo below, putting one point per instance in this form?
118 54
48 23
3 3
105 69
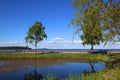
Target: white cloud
13 43
16 42
77 41
54 40
60 42
56 43
57 39
117 42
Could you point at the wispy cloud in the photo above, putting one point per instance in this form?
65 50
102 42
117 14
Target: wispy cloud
77 41
13 43
62 43
60 40
54 40
57 39
117 43
16 42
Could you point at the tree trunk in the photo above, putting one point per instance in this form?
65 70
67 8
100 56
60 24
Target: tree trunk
91 49
27 48
36 49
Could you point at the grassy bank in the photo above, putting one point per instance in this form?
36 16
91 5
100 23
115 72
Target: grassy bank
112 71
109 74
55 56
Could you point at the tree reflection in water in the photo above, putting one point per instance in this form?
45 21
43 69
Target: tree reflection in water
92 69
37 76
34 76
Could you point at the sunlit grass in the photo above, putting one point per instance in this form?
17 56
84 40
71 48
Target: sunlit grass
113 74
55 56
89 76
107 74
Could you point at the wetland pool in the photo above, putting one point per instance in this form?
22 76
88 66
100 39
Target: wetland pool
59 68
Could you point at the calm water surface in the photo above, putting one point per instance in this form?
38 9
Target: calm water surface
17 70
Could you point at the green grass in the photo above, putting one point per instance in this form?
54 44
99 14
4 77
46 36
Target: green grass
89 76
112 74
101 75
117 56
55 56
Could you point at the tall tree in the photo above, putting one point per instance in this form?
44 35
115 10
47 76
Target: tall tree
87 20
98 20
35 34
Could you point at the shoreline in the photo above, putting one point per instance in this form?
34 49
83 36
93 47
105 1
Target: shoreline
61 51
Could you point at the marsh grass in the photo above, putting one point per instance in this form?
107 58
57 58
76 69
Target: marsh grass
100 75
49 77
112 74
55 56
89 76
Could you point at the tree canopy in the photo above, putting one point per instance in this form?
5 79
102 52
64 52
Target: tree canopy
35 34
87 20
97 20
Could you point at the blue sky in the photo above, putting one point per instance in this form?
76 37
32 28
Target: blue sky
16 16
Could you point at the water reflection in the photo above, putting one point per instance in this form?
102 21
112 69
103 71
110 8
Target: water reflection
37 70
34 76
92 67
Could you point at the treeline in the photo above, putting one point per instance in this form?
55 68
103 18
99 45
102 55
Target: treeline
14 48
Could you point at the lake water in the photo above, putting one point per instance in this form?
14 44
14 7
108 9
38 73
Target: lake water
19 69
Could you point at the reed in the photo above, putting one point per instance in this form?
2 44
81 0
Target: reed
100 75
55 56
89 76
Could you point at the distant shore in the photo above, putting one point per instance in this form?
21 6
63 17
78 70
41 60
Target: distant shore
61 51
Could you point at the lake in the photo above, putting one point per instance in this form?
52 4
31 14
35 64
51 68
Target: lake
60 68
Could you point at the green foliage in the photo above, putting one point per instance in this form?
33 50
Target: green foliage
36 34
111 20
97 21
87 20
92 32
